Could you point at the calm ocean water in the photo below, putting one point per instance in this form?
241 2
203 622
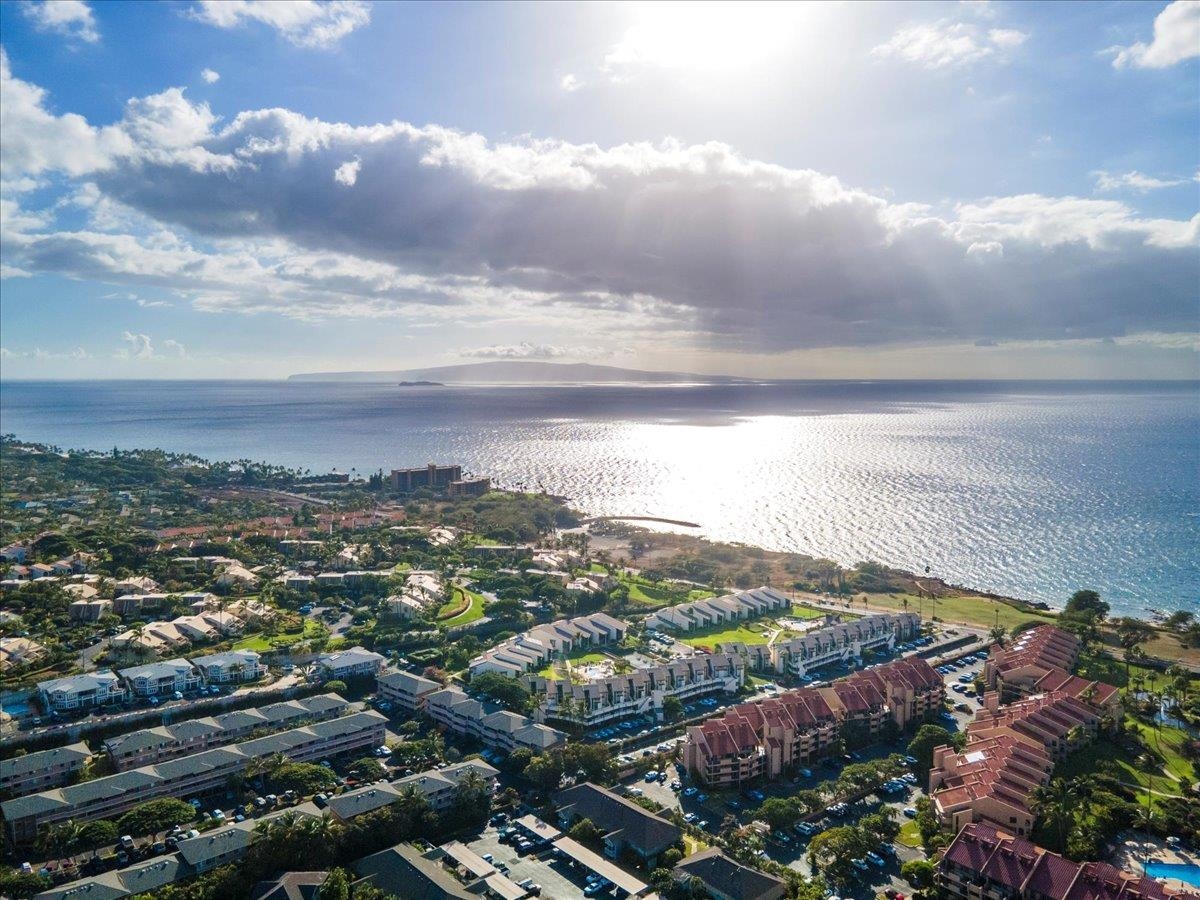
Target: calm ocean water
1029 489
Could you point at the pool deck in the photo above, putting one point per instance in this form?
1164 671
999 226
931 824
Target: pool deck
1152 849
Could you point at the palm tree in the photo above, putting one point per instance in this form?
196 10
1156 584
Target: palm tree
1056 803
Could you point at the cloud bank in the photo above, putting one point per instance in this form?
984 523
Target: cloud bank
1176 38
277 212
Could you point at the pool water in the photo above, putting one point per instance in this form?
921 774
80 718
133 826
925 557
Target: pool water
1185 872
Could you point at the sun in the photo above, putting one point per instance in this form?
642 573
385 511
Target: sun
707 36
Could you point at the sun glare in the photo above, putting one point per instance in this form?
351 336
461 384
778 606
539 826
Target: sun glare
701 36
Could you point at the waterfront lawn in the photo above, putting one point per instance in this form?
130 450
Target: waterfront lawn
981 611
473 612
710 637
644 591
1101 667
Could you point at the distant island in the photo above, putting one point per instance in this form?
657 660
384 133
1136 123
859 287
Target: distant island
421 384
520 372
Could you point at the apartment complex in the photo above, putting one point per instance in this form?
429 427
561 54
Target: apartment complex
42 769
432 476
984 863
437 786
151 745
841 642
92 689
356 662
231 667
725 879
535 648
639 692
186 776
159 678
1011 751
1040 661
719 610
765 737
624 825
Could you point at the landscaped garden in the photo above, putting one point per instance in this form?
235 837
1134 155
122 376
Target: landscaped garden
463 608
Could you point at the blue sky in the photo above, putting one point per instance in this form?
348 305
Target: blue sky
841 190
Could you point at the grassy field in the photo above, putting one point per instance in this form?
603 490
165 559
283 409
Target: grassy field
261 643
579 659
1114 671
806 612
472 613
643 591
1168 771
961 610
710 637
910 834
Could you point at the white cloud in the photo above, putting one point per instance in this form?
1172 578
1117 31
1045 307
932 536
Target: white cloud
347 172
1176 38
570 83
1135 181
176 348
693 239
210 76
72 18
305 23
138 346
528 350
949 44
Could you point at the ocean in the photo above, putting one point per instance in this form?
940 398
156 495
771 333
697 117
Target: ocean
1030 489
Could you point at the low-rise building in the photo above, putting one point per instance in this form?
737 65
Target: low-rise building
42 769
697 614
186 776
624 825
1017 666
725 879
231 667
151 745
437 786
19 651
534 648
159 678
488 721
984 863
405 690
89 610
91 689
842 642
639 692
353 663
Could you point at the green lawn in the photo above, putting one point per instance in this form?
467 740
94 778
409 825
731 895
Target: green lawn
710 637
1163 745
1098 667
800 611
962 610
261 643
472 613
578 658
910 834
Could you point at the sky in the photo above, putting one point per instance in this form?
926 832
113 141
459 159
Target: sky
245 189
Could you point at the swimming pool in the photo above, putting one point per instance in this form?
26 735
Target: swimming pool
1185 872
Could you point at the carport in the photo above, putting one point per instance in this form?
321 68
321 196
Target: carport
634 887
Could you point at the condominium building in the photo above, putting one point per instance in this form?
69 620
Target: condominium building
159 678
405 690
685 617
353 663
89 610
231 667
765 737
1017 666
97 688
433 477
1011 751
437 786
984 863
150 745
42 769
842 642
187 776
535 648
639 692
493 725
